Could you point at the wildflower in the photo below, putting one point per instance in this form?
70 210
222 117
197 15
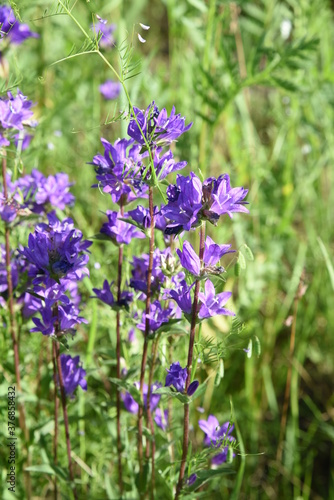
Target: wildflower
215 436
10 27
118 230
161 418
73 374
177 376
110 89
142 216
105 30
192 388
132 406
212 304
107 297
119 171
212 254
56 250
191 479
140 269
157 316
156 127
181 294
60 320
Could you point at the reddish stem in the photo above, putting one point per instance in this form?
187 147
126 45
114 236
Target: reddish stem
67 432
147 329
55 439
189 367
118 363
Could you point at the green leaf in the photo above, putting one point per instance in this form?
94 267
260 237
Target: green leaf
135 393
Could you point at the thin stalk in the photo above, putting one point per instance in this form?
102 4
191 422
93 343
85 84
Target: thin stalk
149 416
147 329
55 437
63 402
118 363
189 368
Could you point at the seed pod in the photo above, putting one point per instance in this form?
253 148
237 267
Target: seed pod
248 253
242 260
237 269
257 346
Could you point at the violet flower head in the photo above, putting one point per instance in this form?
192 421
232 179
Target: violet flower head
14 111
118 231
11 28
140 270
106 30
219 198
212 304
158 128
110 89
191 479
181 294
216 435
119 171
141 215
16 268
157 317
177 376
166 164
56 250
184 204
67 318
212 254
132 406
73 374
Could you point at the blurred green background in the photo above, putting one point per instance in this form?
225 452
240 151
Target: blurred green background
256 78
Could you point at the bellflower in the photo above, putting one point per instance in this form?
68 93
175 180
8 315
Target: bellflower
184 203
181 294
140 269
119 231
212 304
110 90
73 374
66 318
189 201
119 171
14 111
132 406
158 128
56 250
11 28
215 436
16 269
107 297
212 254
157 317
141 215
166 164
106 30
176 376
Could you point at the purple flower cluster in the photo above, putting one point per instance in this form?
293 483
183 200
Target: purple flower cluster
110 90
177 377
15 113
11 29
35 193
217 436
190 201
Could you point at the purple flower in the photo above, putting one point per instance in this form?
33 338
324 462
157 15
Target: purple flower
161 419
14 111
158 128
212 304
192 388
56 250
139 273
106 30
189 201
119 231
132 406
165 164
219 198
141 215
184 203
73 374
10 27
212 254
181 294
191 479
119 171
67 317
177 376
215 436
107 297
16 268
110 90
157 317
